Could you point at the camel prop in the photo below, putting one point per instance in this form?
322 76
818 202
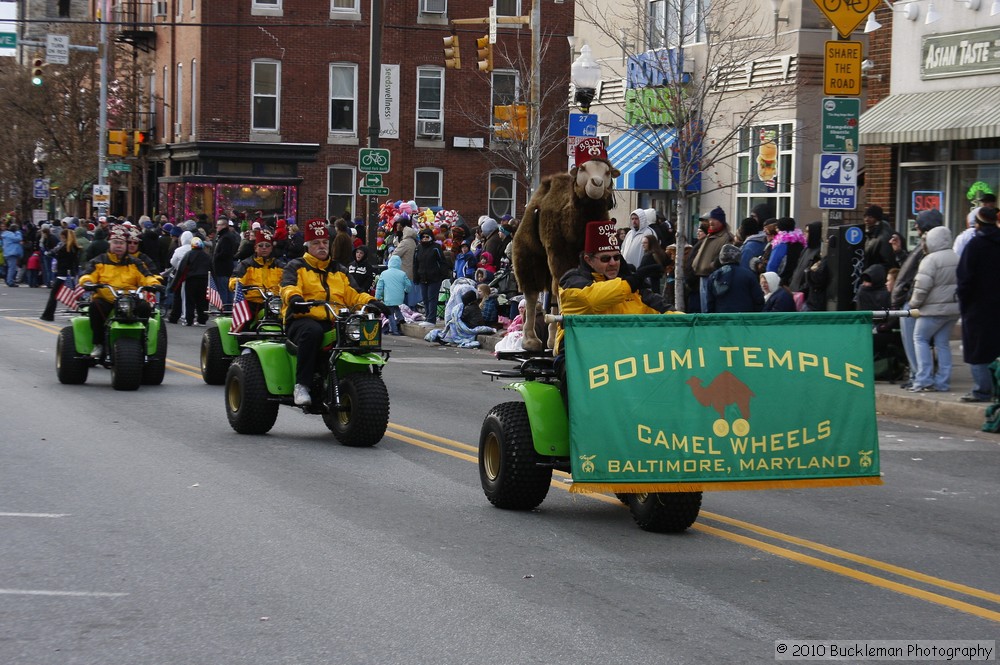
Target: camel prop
550 237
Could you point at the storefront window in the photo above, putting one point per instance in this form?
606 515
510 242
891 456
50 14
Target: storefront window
920 188
765 167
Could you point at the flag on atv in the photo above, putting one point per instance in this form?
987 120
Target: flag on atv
241 309
214 297
69 297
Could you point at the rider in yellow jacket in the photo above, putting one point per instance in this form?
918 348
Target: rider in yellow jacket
315 276
120 271
260 270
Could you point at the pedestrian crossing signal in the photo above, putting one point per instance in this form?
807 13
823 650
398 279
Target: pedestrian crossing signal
139 139
116 143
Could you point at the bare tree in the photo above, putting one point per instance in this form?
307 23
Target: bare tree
705 92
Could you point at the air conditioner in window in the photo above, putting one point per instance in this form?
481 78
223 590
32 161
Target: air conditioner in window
430 127
433 6
177 129
159 8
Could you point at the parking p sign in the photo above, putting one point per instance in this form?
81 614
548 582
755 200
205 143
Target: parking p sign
838 181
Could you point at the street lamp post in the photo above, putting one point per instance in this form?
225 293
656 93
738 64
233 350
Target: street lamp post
585 74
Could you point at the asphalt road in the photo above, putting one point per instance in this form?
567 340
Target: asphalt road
138 528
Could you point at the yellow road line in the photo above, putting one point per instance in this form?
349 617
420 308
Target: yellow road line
770 548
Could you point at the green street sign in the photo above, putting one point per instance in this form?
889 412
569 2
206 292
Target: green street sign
373 180
373 191
8 40
120 167
373 160
840 124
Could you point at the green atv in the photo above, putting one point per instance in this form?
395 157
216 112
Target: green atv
134 347
347 389
220 345
521 443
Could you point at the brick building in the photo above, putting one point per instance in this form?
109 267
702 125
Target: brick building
264 104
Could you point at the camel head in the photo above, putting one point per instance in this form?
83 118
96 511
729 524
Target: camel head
694 382
594 179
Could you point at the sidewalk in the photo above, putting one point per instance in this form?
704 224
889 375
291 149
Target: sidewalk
890 399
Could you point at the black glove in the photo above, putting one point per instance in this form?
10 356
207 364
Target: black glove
297 304
637 280
380 307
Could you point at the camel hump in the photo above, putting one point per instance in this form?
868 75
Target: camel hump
725 388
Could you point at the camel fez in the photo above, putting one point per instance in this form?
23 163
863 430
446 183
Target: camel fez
118 232
316 229
600 237
588 149
262 235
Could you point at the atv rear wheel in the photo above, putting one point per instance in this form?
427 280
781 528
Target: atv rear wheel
214 362
362 421
665 512
508 464
70 368
126 366
247 405
156 364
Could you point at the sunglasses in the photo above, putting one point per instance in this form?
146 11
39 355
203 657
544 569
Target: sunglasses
263 244
609 259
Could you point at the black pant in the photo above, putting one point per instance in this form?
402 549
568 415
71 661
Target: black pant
101 309
196 294
307 335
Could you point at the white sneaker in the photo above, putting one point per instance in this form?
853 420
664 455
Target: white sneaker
98 351
301 395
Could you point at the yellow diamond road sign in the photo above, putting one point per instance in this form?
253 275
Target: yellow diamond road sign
847 15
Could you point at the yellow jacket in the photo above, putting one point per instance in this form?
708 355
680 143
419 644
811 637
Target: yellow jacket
254 271
308 278
124 273
585 292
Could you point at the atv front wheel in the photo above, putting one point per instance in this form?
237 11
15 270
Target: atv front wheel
214 362
247 405
156 364
665 512
508 463
70 368
364 415
126 367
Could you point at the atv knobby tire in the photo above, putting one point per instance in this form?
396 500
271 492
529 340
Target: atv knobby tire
665 512
128 357
365 414
156 364
247 405
508 463
214 362
70 368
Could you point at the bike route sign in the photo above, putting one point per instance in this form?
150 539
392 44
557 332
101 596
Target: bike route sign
847 15
838 181
373 160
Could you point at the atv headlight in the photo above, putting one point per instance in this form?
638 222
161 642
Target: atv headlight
352 329
124 307
274 306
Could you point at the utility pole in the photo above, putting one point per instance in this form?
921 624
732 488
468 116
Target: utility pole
102 122
536 96
374 124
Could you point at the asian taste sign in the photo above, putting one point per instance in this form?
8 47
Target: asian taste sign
842 68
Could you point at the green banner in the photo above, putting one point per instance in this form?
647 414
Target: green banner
721 401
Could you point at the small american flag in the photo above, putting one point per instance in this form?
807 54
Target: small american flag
214 297
241 309
69 297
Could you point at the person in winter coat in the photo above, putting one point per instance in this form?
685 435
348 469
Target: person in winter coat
82 240
902 289
979 301
733 288
706 257
639 228
786 248
227 242
754 240
195 266
492 242
878 249
429 269
777 298
341 249
260 270
872 295
361 271
406 248
809 256
13 250
465 261
391 288
934 295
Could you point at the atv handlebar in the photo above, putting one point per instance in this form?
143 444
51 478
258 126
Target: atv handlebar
96 286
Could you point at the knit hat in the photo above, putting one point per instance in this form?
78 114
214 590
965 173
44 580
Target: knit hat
718 214
133 233
197 243
729 254
262 235
589 149
874 211
118 232
176 232
786 224
488 225
316 230
600 237
927 219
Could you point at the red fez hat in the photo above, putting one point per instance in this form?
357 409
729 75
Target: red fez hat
262 235
588 149
316 230
601 237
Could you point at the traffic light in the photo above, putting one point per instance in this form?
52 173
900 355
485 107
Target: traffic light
36 71
512 122
452 57
116 143
139 140
485 51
